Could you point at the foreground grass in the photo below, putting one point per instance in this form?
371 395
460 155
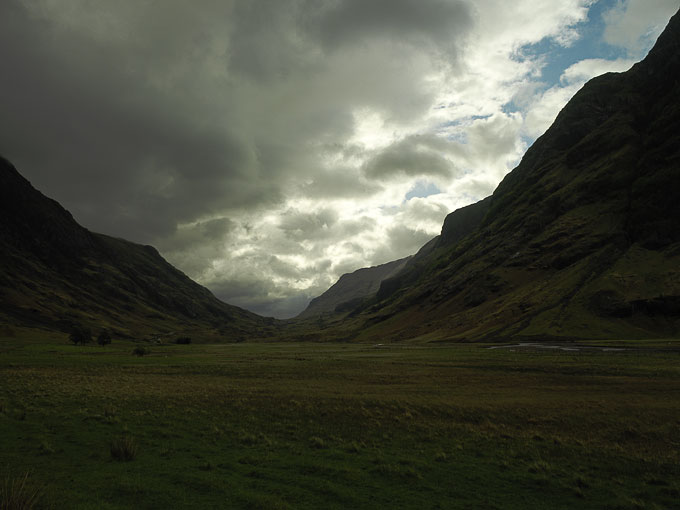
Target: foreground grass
339 426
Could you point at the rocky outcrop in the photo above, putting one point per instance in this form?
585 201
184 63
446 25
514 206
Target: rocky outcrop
463 222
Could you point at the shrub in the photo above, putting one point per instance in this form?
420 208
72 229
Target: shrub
18 493
109 415
247 439
140 351
104 338
440 457
353 447
317 442
183 340
123 448
45 448
80 335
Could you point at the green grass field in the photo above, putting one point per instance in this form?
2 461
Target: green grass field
338 426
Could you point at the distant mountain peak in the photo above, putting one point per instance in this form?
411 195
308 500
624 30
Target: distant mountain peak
351 288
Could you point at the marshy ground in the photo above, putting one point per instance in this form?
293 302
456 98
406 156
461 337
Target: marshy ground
340 425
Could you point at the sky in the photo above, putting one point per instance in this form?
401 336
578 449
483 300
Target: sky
266 147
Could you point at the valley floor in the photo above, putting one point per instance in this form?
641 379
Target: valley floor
339 425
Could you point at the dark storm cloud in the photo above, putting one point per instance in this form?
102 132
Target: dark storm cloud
193 236
419 21
127 157
133 126
197 126
263 46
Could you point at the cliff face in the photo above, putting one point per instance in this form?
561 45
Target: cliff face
580 240
457 225
55 273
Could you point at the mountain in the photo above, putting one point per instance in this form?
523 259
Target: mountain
457 225
349 291
581 240
352 290
55 274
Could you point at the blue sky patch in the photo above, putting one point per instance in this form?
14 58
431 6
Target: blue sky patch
422 189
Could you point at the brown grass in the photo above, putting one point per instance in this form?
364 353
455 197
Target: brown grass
19 493
124 448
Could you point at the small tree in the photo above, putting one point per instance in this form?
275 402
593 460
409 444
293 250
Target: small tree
80 335
104 338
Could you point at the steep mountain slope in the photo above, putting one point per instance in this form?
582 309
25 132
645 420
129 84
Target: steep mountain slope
55 273
582 239
351 288
457 225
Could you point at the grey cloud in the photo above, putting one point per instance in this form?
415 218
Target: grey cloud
176 123
263 46
412 156
419 209
354 247
283 269
494 138
300 225
216 228
406 241
203 237
124 156
403 241
352 21
252 293
350 264
129 124
259 294
339 183
319 229
408 161
349 228
477 188
284 308
281 308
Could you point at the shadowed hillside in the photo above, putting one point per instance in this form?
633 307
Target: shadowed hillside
55 273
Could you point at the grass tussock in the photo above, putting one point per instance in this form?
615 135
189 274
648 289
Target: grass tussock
317 442
19 493
124 448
